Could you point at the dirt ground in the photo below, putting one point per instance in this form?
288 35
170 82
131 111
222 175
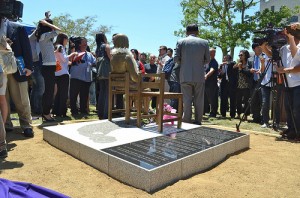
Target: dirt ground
270 168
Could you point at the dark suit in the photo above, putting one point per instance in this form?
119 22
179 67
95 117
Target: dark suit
21 46
17 86
228 89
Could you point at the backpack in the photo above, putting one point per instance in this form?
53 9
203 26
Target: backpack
103 68
169 67
7 58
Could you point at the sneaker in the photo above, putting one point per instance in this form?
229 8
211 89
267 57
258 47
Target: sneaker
264 125
3 153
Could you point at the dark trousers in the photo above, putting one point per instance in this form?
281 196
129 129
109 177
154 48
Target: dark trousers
292 106
232 100
174 88
242 100
97 93
211 92
61 97
256 103
119 101
279 102
224 94
103 99
38 87
265 95
81 88
48 73
153 100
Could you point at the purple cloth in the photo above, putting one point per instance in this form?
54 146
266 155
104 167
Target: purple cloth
13 189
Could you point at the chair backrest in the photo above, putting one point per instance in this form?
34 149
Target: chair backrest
158 83
118 81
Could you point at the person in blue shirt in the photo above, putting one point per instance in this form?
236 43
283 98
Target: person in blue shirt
81 77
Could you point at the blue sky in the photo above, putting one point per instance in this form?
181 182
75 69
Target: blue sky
147 23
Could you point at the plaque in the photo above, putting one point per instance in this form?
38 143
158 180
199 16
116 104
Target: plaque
154 152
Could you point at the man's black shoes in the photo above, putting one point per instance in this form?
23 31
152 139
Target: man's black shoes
3 154
28 132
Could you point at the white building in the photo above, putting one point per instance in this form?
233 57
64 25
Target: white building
275 5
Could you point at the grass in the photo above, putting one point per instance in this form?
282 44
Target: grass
231 123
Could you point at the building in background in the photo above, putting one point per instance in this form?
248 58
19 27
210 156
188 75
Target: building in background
275 5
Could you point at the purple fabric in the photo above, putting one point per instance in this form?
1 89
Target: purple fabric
13 189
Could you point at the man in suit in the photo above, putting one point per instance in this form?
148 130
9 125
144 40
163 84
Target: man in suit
192 53
228 85
17 85
257 98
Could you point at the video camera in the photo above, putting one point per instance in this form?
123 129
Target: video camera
11 9
274 38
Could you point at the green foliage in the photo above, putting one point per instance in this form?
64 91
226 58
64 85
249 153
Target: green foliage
80 27
224 23
278 18
229 23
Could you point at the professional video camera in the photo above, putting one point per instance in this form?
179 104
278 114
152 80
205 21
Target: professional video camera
11 9
274 38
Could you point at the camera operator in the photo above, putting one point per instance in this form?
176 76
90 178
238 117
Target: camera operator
256 98
266 67
290 55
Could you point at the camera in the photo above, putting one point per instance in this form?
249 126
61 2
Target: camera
11 9
274 37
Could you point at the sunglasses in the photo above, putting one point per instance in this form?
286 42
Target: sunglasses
240 54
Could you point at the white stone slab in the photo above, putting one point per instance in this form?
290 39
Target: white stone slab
96 134
86 141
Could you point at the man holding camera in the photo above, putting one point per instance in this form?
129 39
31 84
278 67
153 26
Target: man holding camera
266 68
290 55
256 99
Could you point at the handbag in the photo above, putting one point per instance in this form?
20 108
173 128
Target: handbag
103 68
57 66
7 58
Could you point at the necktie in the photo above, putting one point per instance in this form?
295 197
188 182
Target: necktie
226 67
256 67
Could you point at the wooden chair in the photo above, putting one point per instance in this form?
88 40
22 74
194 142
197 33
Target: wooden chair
144 92
119 84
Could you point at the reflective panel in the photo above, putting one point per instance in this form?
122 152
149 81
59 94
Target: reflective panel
154 152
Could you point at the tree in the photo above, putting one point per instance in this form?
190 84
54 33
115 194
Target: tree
81 27
278 18
224 23
228 23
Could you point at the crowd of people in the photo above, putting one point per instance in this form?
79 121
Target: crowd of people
65 68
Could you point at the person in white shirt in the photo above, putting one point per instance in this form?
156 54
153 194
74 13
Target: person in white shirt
290 55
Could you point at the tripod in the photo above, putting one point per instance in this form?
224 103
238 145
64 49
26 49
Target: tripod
256 89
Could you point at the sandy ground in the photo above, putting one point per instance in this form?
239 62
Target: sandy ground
270 168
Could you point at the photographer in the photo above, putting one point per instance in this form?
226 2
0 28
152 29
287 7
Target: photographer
290 55
266 67
256 98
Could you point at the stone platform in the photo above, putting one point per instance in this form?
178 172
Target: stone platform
142 157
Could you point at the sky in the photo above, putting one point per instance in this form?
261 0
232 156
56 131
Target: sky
147 23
